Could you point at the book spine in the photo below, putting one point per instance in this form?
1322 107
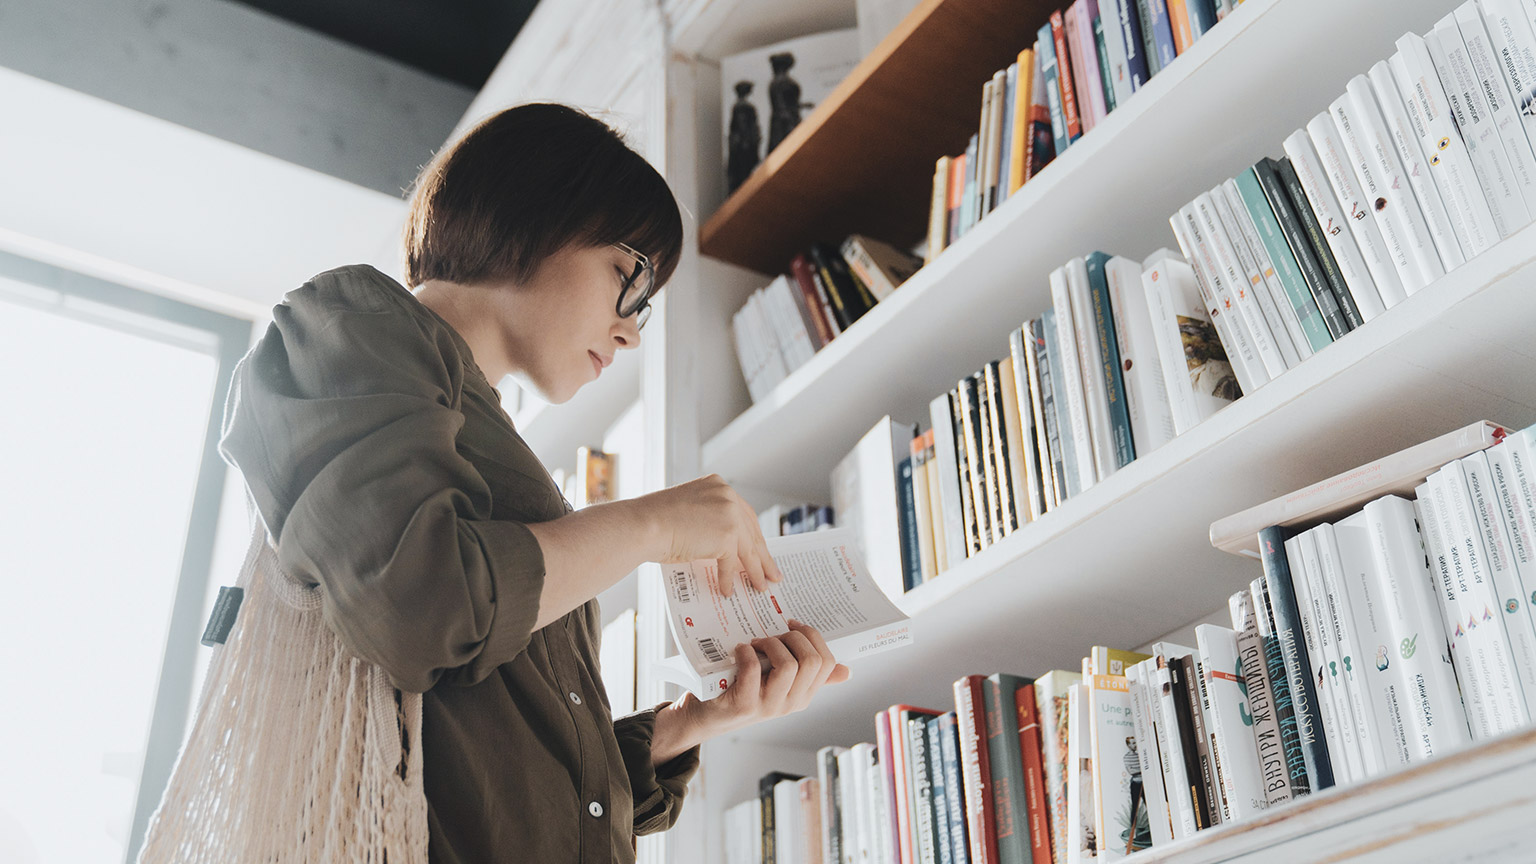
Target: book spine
1069 392
841 304
1136 54
1306 258
1417 640
1471 664
1156 285
1165 48
831 805
1039 121
1384 178
1197 764
865 268
1021 136
1417 169
1225 315
1007 507
1488 524
1147 753
941 415
1051 698
1274 668
938 210
1450 162
1109 365
1378 673
1054 450
1286 174
1202 17
1232 734
970 423
1085 64
987 459
1147 19
949 749
1095 394
1065 72
975 765
958 172
1287 272
1146 391
1276 306
1101 42
1369 726
1473 118
1332 702
1035 803
1514 46
1213 764
1050 75
1177 781
1262 318
1293 651
922 510
1006 764
1178 17
1507 489
1495 91
1351 234
1009 131
920 804
940 793
1261 717
1303 320
1018 428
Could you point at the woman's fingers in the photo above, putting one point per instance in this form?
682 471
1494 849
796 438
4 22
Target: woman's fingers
759 543
808 673
752 565
747 691
781 677
829 664
725 578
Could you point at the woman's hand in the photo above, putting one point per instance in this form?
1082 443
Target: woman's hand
801 663
706 519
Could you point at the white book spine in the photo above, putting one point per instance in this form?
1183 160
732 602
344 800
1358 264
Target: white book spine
1369 729
1146 391
801 347
1419 647
1072 380
949 492
775 365
1379 670
1266 267
1489 524
1450 165
1507 488
1233 333
1176 779
1341 213
847 791
1148 752
1231 725
1327 704
1478 615
1261 697
1514 46
1157 288
1119 81
1331 675
1470 669
1273 345
1402 208
1095 392
1079 781
1485 66
1474 120
1400 129
1278 311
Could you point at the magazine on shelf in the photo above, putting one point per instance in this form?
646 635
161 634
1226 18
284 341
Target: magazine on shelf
825 585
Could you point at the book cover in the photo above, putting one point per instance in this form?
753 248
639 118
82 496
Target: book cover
976 769
1138 678
1415 165
941 414
1293 650
1274 667
1005 761
1189 722
1030 746
1261 716
1066 77
1082 841
949 751
1051 691
1196 373
1050 79
1450 162
1122 824
868 500
1301 249
1019 433
1110 363
1339 206
1231 721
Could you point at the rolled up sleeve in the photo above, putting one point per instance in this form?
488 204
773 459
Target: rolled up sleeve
343 421
658 791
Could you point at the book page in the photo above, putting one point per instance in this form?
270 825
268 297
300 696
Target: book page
825 585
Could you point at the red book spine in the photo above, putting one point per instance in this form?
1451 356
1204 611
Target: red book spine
1034 775
980 815
1064 77
800 268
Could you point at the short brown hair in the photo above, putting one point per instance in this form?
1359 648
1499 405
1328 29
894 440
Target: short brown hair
526 183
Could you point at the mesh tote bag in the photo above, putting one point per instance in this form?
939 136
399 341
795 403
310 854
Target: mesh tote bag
299 751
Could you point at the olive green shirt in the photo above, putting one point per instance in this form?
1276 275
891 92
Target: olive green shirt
379 457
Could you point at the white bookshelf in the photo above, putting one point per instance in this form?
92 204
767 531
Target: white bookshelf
1128 560
555 431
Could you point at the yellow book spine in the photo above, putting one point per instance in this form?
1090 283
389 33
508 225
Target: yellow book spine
1017 163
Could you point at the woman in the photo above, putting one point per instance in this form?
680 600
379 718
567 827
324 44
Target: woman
371 436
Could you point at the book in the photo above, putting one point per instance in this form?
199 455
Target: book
1298 307
1285 173
1137 62
1276 246
1019 433
941 792
1115 59
1298 664
1086 78
1198 766
1283 320
846 815
941 414
1121 819
1400 129
1101 50
1110 366
1231 722
975 460
970 529
1010 99
1042 401
1488 555
1196 373
1146 390
1005 762
1260 318
1512 491
922 516
1300 246
1101 434
920 788
1399 473
954 800
1202 17
1178 19
773 805
1070 399
935 517
1082 842
866 498
1157 31
1274 667
1487 66
1262 716
1051 701
1039 121
987 460
1021 122
1450 162
1172 708
1072 106
1030 746
938 209
959 171
879 265
1339 207
1148 754
1050 79
1333 702
807 825
1004 452
1230 323
1338 622
976 769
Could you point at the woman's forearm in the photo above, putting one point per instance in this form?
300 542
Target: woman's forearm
588 551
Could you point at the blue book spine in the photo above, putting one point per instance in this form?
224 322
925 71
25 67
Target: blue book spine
1146 19
1202 16
942 844
1045 49
949 754
907 509
1109 360
1293 649
1062 444
1135 47
1285 712
1162 32
1106 74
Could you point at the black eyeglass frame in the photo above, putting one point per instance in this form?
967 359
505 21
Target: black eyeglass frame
644 270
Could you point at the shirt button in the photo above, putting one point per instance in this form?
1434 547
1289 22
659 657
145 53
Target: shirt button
575 698
595 809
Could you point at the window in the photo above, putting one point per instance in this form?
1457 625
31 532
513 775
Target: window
111 496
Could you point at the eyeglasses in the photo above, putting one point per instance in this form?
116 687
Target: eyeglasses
639 287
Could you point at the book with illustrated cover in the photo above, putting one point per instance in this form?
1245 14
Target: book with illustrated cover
1227 317
1121 819
1051 691
1198 377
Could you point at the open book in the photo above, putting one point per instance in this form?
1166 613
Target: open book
825 585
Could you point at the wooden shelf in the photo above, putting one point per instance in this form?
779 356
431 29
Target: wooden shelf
862 162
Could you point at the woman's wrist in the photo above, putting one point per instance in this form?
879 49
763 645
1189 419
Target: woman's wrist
680 726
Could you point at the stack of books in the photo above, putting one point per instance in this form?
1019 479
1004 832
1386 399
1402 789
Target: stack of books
1384 631
828 288
1087 61
782 521
1123 361
1417 167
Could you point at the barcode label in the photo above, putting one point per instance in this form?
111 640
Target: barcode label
681 586
712 650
